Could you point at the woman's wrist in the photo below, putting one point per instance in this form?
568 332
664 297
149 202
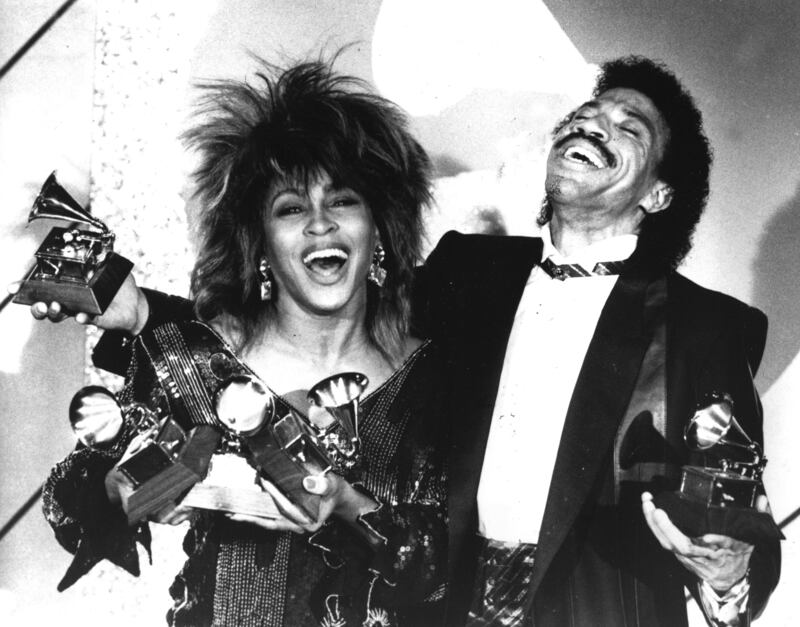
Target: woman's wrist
142 313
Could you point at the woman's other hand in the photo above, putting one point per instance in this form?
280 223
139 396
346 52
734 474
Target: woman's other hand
291 518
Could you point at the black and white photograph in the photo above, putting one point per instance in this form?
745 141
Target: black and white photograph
399 313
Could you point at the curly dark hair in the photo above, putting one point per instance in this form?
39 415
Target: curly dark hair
666 237
293 124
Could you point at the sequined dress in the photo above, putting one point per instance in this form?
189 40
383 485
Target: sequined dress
240 574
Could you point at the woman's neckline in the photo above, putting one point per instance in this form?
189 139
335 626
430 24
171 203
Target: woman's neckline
370 394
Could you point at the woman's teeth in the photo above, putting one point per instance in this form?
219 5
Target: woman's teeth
325 260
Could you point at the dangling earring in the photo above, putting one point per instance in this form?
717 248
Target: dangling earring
377 273
265 283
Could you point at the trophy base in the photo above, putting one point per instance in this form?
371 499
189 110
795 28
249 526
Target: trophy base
90 296
145 464
715 501
230 486
718 488
172 481
235 500
287 475
696 518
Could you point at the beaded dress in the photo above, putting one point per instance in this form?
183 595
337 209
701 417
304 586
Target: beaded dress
240 574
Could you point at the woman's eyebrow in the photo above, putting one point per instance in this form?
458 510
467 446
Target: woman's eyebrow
278 193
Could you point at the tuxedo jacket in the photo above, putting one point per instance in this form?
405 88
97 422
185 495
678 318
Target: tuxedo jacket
597 562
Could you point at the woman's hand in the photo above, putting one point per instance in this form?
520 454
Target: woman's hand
337 497
290 518
128 311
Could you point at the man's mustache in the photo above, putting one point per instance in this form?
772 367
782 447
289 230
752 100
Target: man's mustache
600 146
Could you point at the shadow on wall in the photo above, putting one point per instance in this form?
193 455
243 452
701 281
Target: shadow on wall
777 289
488 221
447 165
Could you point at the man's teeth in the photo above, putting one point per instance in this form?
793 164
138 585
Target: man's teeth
584 156
327 254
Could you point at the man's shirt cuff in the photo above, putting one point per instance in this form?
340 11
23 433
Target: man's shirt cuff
725 610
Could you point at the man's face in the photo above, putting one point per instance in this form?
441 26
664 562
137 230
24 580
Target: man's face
605 160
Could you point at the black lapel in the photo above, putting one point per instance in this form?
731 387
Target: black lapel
598 404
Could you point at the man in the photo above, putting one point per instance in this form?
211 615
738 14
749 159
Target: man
569 397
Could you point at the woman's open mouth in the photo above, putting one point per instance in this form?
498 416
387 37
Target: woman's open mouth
327 261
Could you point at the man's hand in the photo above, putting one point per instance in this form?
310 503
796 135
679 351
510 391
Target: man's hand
127 312
719 560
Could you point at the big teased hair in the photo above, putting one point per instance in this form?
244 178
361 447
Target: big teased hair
292 124
666 237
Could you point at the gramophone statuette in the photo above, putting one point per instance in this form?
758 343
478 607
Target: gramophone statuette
286 448
721 499
162 461
202 466
75 267
338 397
734 483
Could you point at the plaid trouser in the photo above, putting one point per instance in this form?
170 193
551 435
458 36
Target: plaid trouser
502 585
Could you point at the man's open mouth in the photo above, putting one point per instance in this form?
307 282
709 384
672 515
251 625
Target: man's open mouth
586 156
326 260
586 150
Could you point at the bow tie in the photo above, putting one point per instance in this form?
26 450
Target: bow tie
572 270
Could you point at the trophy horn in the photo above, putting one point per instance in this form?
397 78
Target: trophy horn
95 416
339 396
54 202
716 425
244 405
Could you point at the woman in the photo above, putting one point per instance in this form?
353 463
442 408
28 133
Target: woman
311 191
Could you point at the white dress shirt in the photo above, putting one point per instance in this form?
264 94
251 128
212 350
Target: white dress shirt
553 326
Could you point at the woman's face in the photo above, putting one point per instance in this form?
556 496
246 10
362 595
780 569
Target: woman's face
320 242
